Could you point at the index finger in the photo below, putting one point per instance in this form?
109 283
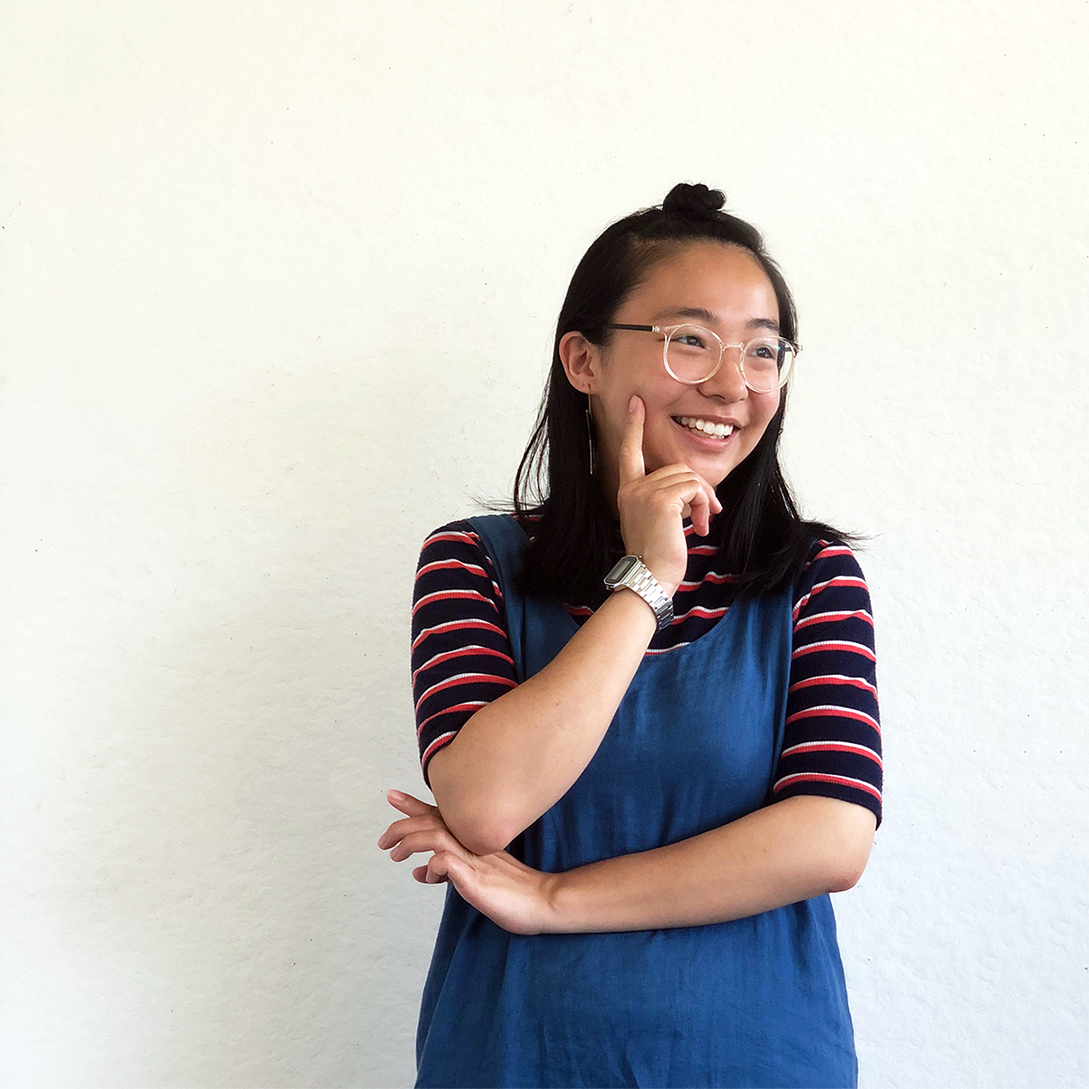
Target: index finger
632 466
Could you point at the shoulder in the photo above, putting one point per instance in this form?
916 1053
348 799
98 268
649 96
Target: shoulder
451 539
454 564
469 536
831 568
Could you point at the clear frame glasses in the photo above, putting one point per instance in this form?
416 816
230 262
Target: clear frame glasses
693 354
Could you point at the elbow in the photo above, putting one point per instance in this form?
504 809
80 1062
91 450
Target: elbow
473 819
850 861
848 873
477 833
841 839
477 827
483 841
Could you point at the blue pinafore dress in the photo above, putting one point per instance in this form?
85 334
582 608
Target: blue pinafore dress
754 1002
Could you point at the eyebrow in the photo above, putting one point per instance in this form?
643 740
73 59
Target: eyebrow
700 314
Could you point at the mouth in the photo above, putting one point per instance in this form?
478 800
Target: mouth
701 427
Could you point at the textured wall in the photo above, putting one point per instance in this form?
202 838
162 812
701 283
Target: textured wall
279 281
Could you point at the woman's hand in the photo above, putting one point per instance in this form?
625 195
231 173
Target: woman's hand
511 894
652 507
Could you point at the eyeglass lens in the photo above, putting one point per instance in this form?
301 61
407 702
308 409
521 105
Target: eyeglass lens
692 354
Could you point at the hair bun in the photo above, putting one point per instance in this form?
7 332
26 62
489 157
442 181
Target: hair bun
693 201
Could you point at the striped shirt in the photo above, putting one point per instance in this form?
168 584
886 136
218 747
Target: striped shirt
461 656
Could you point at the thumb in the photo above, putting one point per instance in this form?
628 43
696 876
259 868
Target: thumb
411 807
446 866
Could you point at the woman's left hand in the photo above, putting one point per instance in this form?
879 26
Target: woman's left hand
512 895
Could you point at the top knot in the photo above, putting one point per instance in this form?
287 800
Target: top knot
693 201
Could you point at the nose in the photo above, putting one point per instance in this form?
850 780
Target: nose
727 382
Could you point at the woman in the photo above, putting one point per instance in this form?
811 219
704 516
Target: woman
646 786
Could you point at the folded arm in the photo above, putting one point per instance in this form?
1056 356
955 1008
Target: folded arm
792 850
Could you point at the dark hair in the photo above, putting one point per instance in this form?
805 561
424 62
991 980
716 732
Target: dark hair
761 537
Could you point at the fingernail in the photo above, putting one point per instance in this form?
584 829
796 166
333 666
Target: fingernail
631 403
395 794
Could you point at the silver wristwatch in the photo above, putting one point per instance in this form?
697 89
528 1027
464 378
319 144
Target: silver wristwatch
630 573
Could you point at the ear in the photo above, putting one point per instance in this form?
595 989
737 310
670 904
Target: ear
581 361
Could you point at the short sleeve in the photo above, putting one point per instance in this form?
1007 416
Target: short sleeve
461 654
832 738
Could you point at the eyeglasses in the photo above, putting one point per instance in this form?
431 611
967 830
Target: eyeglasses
693 354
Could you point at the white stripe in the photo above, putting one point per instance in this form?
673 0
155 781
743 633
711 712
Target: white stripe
848 712
838 778
838 580
449 625
841 644
451 534
833 678
438 565
665 650
450 710
839 615
431 748
452 594
485 677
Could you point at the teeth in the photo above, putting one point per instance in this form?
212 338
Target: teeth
694 423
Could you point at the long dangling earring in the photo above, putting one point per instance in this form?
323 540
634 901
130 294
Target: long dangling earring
590 434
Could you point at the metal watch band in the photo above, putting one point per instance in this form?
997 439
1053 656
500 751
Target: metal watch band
630 573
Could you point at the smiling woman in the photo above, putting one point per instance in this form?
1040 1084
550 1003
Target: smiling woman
646 704
725 285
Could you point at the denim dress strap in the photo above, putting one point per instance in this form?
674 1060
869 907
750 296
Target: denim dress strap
537 629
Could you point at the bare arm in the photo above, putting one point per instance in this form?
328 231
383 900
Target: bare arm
514 758
793 850
518 755
781 854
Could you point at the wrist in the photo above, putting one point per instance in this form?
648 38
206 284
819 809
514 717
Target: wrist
631 573
552 887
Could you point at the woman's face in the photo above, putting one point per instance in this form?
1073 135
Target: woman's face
719 286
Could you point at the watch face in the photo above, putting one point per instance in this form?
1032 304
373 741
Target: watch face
623 568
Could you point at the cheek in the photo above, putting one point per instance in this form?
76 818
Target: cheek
765 405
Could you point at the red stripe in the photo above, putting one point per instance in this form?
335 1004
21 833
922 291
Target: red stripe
467 678
834 617
440 658
839 580
711 577
457 625
473 706
448 565
808 747
464 538
451 595
836 712
700 610
828 678
837 780
439 742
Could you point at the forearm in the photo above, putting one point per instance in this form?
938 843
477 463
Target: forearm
786 852
521 753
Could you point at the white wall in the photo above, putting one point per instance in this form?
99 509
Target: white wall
279 284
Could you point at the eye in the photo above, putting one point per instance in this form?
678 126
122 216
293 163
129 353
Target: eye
690 340
693 338
762 351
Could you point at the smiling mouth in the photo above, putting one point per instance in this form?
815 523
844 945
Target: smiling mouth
705 427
